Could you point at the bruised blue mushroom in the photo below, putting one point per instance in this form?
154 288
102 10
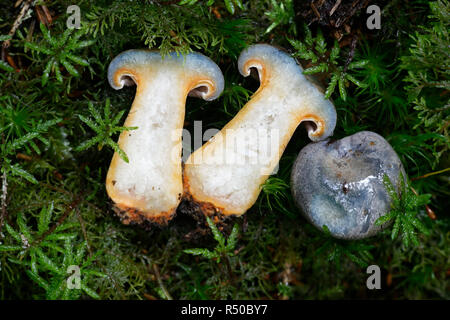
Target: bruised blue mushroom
340 184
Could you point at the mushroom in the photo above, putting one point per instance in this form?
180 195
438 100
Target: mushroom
340 184
149 187
229 170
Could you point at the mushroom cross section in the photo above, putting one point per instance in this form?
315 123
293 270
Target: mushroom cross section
229 170
149 187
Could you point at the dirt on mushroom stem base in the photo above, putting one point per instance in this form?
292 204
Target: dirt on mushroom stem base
195 211
199 210
132 216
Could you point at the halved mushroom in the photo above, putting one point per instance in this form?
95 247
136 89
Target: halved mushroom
150 186
228 171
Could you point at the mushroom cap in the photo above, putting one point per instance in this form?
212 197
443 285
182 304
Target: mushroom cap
340 184
278 69
129 67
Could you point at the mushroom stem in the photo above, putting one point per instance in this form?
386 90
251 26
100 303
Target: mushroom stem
228 170
150 187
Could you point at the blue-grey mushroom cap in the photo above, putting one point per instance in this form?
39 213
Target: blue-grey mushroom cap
340 184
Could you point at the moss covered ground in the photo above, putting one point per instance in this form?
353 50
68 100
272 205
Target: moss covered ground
54 210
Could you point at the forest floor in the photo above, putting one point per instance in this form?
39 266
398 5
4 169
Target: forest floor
56 150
